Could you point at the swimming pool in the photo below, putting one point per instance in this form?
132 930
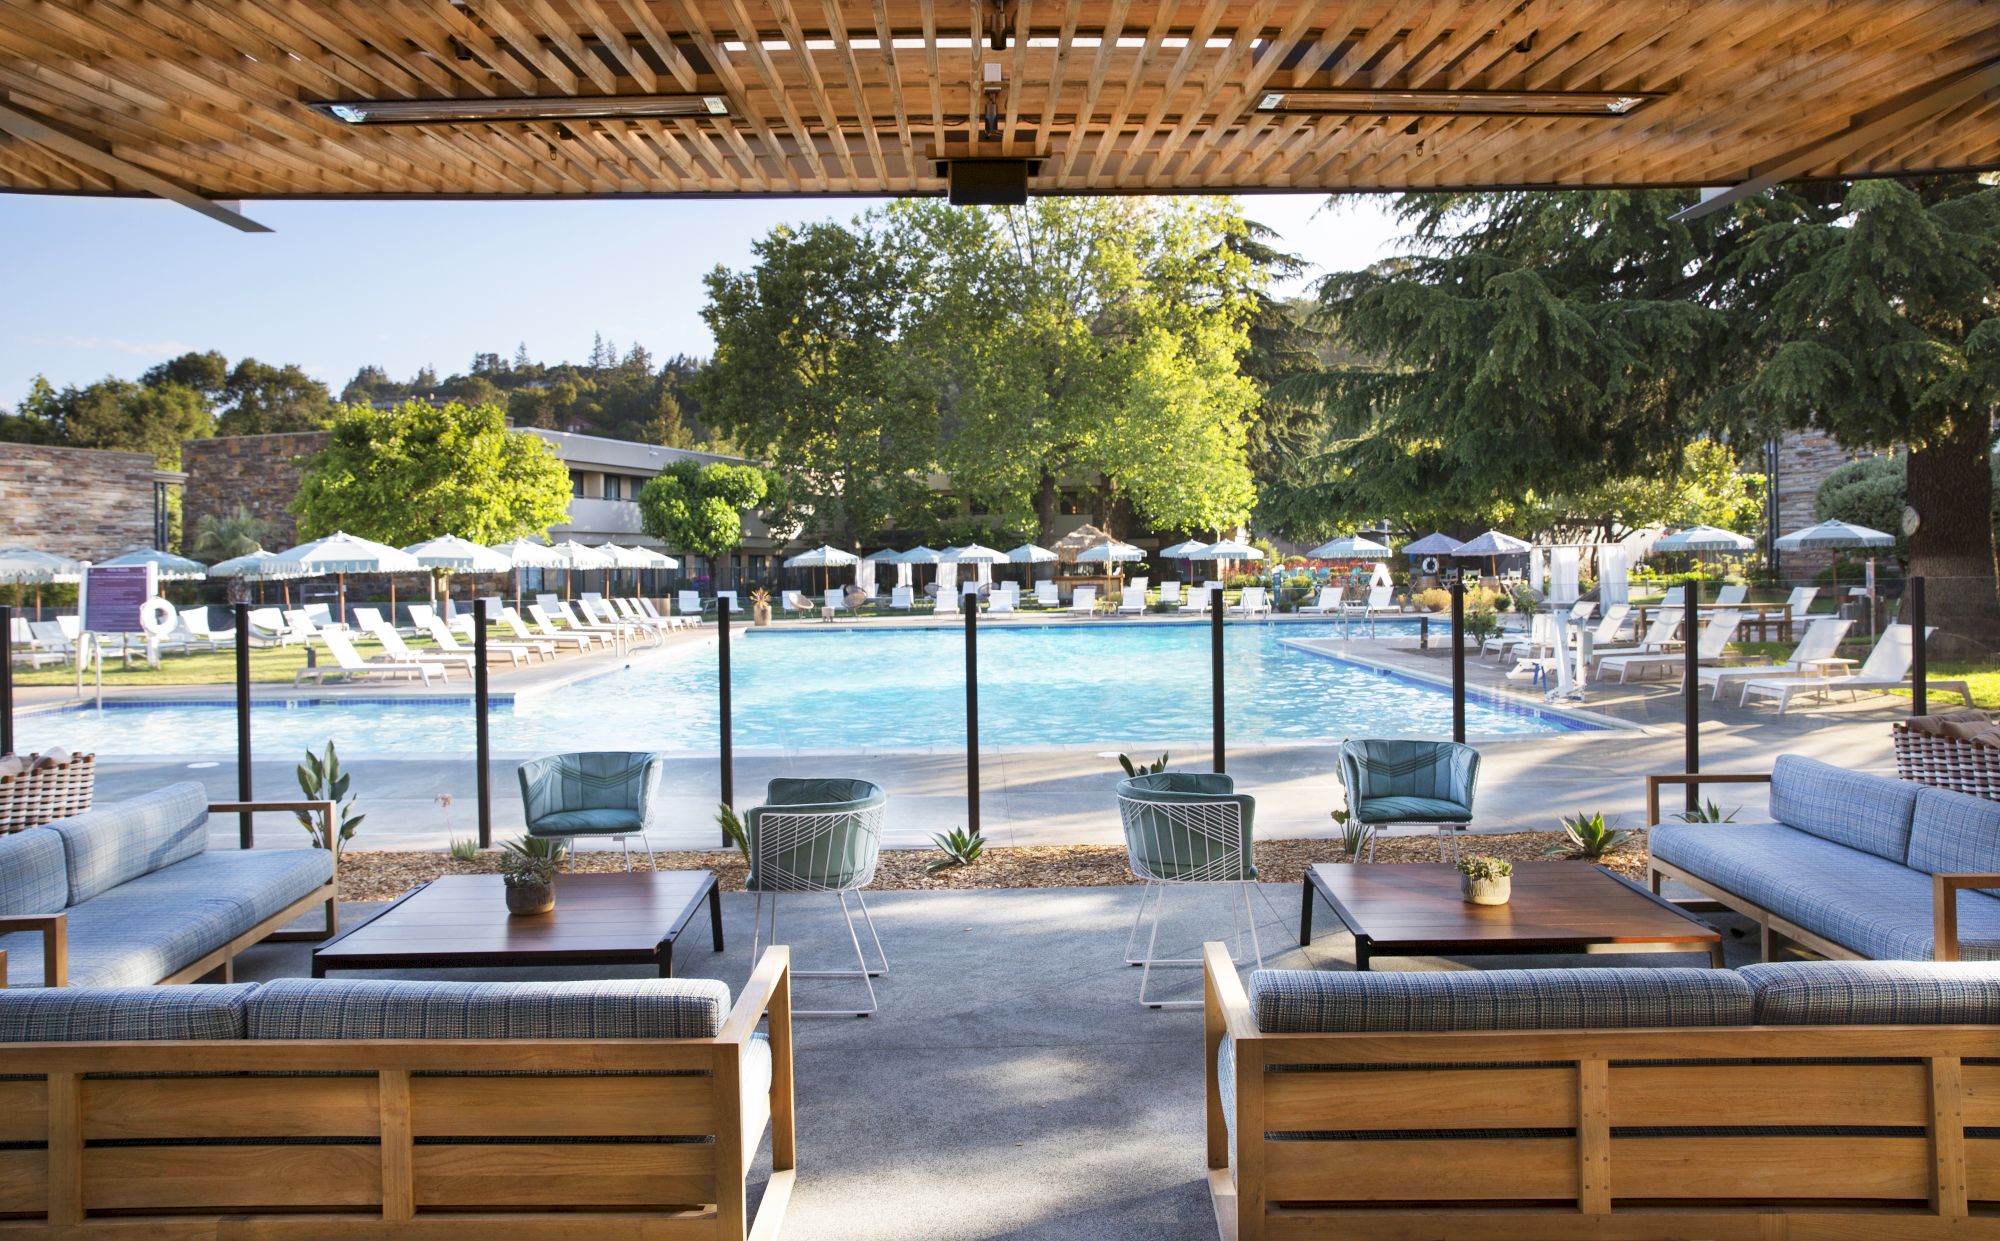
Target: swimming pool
835 688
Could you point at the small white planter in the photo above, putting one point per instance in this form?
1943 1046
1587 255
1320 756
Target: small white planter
1486 891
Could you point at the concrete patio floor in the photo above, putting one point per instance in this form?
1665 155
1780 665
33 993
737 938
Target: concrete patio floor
1011 1085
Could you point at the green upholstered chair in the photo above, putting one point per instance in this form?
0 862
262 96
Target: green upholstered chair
602 794
819 835
1185 827
1427 783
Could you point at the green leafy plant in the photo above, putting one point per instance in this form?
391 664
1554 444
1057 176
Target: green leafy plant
1153 768
733 829
961 848
1707 812
1480 624
321 779
1354 834
464 848
1588 836
532 859
1482 866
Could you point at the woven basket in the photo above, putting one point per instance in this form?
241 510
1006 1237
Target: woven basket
1962 766
45 794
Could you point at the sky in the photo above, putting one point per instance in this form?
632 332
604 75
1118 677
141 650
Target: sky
111 286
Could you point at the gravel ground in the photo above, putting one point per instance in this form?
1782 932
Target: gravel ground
382 876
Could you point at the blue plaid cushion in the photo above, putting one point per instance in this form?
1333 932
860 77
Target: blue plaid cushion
1316 1002
1847 807
371 1008
1953 833
1877 908
123 1014
1871 993
120 841
34 878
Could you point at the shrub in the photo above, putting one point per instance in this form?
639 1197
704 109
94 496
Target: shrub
1482 866
532 859
1433 600
1588 837
1480 625
961 848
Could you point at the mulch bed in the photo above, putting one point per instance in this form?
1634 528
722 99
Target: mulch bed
383 876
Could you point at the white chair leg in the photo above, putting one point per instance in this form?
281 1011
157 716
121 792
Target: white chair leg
862 973
1152 959
869 918
625 843
1250 915
1146 893
653 863
757 925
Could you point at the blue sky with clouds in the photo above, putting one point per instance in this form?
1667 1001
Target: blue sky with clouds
111 286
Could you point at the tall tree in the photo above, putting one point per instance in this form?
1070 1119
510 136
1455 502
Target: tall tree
260 399
699 508
417 471
809 373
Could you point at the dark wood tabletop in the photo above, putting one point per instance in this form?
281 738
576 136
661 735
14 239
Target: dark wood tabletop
1395 909
461 921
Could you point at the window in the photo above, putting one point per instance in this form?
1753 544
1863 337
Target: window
611 482
575 484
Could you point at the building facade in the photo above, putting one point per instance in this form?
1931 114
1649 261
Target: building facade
85 503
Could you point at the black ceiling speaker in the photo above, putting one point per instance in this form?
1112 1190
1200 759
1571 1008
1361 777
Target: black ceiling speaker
988 182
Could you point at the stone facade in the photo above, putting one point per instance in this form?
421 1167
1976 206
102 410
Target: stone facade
259 472
1805 458
87 503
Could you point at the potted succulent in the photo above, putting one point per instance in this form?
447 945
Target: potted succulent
1485 880
528 869
760 606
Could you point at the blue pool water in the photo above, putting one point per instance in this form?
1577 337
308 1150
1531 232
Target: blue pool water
851 688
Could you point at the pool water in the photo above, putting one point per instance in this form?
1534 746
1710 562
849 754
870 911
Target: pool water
860 688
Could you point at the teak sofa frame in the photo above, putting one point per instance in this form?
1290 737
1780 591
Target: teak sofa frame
1610 1135
1771 927
198 1141
216 966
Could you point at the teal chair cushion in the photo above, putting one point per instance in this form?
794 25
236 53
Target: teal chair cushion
577 822
815 835
1168 842
1390 781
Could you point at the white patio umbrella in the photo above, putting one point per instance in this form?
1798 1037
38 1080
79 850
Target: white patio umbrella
976 554
1430 547
1113 552
1030 555
259 566
1494 545
920 555
341 553
1349 547
1227 549
167 566
888 556
27 566
527 554
1704 539
574 557
822 558
1832 535
1185 550
449 553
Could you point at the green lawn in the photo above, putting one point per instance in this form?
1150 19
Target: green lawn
267 664
1984 679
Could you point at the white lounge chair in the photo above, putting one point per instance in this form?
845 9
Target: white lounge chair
1170 594
1000 603
1196 602
194 629
946 603
1820 641
836 600
1608 625
1083 601
268 628
1328 601
447 641
27 648
367 619
1539 640
1047 595
547 646
1887 667
1674 596
585 639
321 615
1253 600
1132 600
394 649
1801 600
901 599
300 624
629 610
689 602
735 608
1730 596
1660 636
616 628
50 636
1380 602
1710 648
349 664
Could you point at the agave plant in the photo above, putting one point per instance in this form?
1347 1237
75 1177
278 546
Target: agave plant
961 848
1588 836
732 827
1707 812
321 779
532 859
1153 768
1355 835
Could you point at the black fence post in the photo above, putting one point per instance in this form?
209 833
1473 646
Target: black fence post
1458 661
722 702
1215 676
1423 633
1691 684
1920 695
6 679
245 834
482 736
971 606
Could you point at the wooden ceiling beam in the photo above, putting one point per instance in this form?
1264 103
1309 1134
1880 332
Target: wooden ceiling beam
46 133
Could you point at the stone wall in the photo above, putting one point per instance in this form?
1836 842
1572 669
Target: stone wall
1805 458
259 472
87 503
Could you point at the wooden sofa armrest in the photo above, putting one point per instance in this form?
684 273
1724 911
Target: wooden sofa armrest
55 944
768 993
1657 779
324 809
1944 910
1225 1012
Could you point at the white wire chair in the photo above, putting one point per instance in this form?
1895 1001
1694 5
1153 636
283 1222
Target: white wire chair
1184 828
821 835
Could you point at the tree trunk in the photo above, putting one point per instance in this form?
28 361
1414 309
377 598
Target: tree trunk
1045 509
1107 507
1951 487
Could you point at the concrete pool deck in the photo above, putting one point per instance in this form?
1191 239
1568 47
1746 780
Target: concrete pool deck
1062 794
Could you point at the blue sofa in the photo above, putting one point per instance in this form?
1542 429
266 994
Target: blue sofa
129 894
1822 1099
378 1108
1849 865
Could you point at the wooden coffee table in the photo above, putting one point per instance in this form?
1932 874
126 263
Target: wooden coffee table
1402 910
461 921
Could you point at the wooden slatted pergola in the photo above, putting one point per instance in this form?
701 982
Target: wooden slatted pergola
207 100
